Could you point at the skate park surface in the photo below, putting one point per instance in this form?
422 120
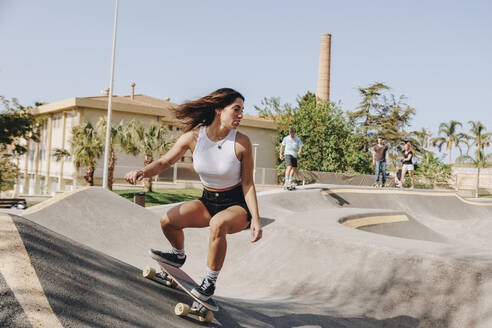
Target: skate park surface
330 256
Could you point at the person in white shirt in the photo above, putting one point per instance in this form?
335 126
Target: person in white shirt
291 147
223 159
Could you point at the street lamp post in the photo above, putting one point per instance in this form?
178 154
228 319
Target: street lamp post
110 102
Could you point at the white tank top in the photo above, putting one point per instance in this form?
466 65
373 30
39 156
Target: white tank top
216 162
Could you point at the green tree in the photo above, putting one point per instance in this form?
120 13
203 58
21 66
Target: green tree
151 141
449 137
481 140
393 119
331 143
17 124
87 147
365 115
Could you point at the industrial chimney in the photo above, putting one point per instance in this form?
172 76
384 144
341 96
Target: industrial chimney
133 90
323 89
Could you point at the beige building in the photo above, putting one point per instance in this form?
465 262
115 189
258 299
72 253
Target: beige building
42 174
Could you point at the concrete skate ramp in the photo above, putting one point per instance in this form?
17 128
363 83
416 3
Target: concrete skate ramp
454 218
309 263
102 220
48 280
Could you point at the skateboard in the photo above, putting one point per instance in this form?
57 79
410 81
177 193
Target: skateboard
174 277
290 187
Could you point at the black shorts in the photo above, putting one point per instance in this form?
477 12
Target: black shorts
219 201
290 161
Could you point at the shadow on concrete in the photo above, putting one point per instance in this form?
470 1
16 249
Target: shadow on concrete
340 201
90 289
268 315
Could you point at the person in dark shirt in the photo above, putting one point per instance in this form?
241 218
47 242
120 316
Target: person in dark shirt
407 165
379 160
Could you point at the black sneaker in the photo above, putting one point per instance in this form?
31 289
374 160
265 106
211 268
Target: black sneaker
167 257
205 291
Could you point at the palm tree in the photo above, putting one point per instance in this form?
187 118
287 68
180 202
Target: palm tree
60 154
450 137
115 136
422 139
481 140
87 147
149 141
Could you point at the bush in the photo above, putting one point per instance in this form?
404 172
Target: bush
433 171
8 172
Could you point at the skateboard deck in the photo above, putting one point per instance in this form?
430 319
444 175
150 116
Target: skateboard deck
172 276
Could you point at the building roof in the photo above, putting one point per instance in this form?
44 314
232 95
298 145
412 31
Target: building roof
141 104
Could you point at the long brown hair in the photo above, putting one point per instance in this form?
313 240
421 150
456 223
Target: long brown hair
202 111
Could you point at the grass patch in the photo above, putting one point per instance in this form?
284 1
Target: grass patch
163 196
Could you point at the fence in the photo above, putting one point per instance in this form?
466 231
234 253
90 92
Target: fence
464 179
270 176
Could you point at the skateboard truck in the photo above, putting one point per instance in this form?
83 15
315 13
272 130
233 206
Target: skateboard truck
160 277
197 309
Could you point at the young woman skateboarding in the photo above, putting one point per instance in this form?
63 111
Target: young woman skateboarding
223 159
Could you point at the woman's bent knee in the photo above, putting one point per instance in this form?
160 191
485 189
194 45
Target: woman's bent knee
165 222
218 228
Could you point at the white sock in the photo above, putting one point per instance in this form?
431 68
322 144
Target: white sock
212 275
179 252
286 179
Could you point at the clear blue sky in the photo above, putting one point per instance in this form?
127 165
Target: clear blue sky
438 53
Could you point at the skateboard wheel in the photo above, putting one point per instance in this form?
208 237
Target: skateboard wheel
148 272
182 309
209 317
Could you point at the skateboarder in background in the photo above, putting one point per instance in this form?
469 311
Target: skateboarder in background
223 159
293 148
379 160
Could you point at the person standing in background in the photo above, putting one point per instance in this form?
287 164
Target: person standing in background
379 160
407 165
